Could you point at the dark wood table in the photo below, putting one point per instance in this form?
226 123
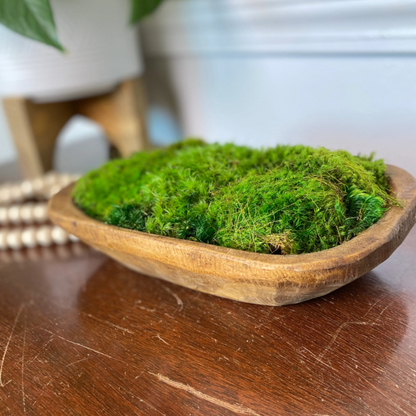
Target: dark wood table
82 335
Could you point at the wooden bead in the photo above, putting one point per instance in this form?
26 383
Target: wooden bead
40 213
26 213
37 185
44 235
13 214
14 239
27 189
59 235
29 237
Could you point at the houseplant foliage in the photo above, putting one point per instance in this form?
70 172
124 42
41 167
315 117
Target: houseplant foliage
281 200
34 18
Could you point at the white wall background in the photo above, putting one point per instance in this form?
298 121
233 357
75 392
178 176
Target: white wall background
337 73
361 104
340 74
78 129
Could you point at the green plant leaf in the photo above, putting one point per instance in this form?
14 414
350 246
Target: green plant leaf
141 8
30 18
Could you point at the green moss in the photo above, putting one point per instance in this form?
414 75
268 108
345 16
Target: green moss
283 200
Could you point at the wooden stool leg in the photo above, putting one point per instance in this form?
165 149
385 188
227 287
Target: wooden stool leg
122 115
35 127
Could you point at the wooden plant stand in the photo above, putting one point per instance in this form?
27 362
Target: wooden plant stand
35 126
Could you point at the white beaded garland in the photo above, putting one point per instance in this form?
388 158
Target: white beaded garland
29 213
38 187
29 237
26 213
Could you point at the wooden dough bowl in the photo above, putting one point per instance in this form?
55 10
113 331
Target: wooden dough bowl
264 279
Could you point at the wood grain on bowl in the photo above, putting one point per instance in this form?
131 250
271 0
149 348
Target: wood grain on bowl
248 277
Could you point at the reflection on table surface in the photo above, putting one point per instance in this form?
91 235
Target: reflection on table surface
83 335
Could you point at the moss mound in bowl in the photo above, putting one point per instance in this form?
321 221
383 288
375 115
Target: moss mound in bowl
281 200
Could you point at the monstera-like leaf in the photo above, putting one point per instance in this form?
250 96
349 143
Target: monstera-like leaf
30 18
34 18
141 8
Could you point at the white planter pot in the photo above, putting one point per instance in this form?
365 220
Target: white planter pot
102 49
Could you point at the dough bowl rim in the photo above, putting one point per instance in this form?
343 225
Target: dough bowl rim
384 237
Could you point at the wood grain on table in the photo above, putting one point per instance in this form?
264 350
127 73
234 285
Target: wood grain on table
83 335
